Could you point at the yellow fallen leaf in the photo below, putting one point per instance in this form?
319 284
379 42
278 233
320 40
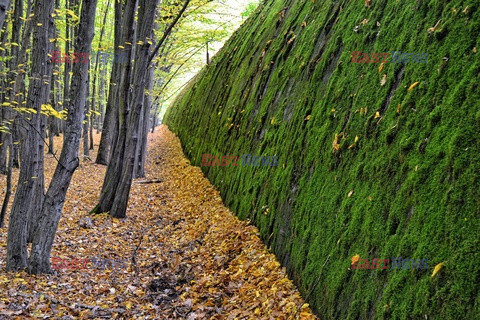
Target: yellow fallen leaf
308 117
377 115
399 107
350 193
380 68
437 268
355 258
413 86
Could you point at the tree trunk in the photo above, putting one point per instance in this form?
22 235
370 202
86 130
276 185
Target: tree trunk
141 156
8 191
39 261
31 166
146 18
86 149
4 5
19 85
7 113
51 121
122 80
111 111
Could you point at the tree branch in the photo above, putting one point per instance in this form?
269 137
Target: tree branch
168 31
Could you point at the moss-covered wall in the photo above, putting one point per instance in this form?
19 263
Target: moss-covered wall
285 85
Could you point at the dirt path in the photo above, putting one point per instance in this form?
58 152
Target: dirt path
180 254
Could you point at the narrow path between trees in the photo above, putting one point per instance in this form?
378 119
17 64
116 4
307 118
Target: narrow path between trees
180 254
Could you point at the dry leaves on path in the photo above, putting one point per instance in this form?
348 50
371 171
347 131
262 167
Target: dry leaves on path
186 255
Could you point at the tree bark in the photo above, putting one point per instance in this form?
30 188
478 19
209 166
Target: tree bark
141 155
86 148
8 191
122 81
111 111
4 5
39 261
28 193
146 18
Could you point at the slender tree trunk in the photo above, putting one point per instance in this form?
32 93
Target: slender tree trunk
4 5
154 121
141 156
114 167
31 166
19 87
8 191
39 261
7 114
110 123
51 121
101 98
146 18
86 148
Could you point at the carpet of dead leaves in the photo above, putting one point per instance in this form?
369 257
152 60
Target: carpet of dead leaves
188 256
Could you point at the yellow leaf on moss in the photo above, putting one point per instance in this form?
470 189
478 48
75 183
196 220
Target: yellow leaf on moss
355 258
380 68
413 86
437 268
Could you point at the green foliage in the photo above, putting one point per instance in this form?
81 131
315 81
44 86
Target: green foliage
414 169
250 9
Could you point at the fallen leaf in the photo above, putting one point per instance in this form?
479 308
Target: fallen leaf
355 258
380 68
350 193
435 27
364 22
437 268
413 86
384 80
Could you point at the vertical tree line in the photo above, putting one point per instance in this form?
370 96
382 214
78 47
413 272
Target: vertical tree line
52 84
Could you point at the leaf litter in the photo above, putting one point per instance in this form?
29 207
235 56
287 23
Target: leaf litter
187 256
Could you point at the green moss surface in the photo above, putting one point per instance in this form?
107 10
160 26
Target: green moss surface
284 85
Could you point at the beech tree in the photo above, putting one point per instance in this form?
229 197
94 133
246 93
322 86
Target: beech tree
29 194
51 212
29 197
4 5
120 169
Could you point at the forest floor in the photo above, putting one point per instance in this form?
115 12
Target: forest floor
179 254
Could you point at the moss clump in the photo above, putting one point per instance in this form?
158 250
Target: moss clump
284 85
